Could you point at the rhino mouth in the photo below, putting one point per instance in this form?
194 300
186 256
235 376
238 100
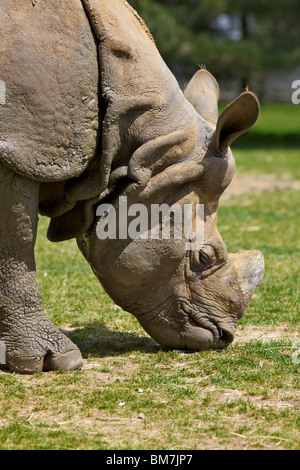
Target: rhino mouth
188 328
222 334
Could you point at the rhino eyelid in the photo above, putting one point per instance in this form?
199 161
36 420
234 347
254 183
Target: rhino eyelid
200 262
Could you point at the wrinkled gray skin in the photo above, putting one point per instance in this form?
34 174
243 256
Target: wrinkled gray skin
89 112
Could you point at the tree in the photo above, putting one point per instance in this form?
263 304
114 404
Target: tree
241 39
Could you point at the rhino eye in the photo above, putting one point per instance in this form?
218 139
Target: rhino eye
201 260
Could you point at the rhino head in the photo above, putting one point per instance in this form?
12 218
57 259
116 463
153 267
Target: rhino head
185 295
160 145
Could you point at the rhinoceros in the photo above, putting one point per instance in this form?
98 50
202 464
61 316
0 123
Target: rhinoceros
89 114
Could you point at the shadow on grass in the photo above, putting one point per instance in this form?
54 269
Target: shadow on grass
97 339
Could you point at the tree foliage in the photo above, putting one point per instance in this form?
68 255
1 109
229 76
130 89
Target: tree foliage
242 39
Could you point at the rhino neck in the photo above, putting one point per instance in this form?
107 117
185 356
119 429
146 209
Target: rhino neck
148 125
144 104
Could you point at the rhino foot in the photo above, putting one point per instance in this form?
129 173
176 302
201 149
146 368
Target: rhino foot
43 348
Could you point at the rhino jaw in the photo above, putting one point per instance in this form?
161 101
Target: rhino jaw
187 328
192 338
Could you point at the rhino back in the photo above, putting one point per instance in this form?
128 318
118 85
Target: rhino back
48 88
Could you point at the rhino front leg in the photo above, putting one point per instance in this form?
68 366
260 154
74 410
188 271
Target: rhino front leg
32 342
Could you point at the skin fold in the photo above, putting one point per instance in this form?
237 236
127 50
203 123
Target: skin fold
89 113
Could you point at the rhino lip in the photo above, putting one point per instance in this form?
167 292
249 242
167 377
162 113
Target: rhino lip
226 336
222 334
188 336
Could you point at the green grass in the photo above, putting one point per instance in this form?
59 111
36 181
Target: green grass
273 161
240 397
272 145
277 126
132 394
268 223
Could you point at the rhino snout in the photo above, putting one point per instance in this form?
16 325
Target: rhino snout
194 332
194 338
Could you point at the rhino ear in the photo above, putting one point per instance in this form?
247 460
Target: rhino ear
202 92
236 119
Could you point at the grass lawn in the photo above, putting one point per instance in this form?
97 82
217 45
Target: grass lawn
272 146
132 394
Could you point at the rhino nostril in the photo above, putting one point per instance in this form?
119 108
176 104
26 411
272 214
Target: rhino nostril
226 334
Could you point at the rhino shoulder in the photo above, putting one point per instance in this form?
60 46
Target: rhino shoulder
49 76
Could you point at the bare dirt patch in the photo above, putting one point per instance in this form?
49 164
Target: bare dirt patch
256 184
265 333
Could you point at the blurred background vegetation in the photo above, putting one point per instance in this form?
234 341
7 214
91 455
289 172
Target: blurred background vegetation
242 43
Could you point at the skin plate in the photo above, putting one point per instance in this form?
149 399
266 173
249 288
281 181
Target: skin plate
48 88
